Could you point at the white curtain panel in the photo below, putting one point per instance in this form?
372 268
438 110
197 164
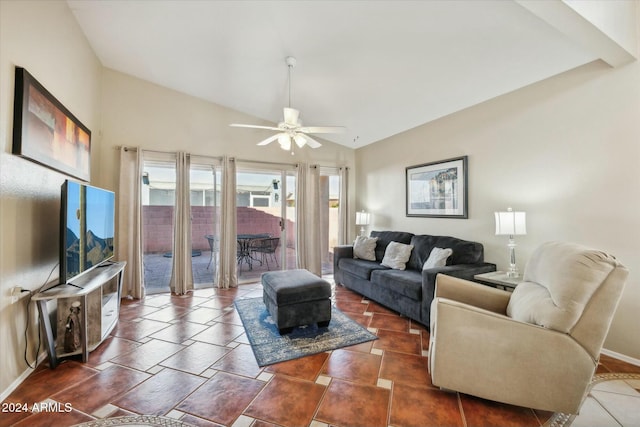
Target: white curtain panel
129 239
227 271
308 219
343 207
182 272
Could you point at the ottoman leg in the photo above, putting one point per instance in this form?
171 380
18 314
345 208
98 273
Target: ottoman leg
323 324
285 331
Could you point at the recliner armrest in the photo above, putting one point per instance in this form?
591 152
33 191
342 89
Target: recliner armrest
475 294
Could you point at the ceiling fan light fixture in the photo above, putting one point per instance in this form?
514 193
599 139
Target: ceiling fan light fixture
285 141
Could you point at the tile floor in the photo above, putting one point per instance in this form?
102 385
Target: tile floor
188 358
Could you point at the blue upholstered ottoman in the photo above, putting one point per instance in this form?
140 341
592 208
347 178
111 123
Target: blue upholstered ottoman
296 298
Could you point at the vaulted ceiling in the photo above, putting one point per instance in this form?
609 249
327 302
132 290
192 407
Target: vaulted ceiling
377 67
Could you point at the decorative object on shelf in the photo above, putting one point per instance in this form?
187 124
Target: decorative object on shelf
363 219
291 128
72 329
511 223
438 189
45 132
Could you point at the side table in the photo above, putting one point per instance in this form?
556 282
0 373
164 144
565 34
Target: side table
498 279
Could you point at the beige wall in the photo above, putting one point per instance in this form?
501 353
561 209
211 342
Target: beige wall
44 38
565 150
139 113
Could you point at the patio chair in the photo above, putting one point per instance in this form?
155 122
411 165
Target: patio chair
267 249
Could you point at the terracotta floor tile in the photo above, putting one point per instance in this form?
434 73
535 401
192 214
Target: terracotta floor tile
305 368
614 365
350 306
361 319
167 314
187 301
374 307
398 341
239 361
353 366
159 394
364 347
405 368
42 384
148 354
222 399
413 406
231 317
136 331
110 348
101 389
196 358
218 302
179 332
133 311
390 322
353 405
297 410
480 412
219 334
203 315
200 422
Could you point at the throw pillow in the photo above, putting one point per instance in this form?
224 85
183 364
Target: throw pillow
437 258
364 248
396 255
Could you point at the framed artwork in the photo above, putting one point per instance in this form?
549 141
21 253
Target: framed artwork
45 132
438 189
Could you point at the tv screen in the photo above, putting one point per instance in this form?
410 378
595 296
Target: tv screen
87 225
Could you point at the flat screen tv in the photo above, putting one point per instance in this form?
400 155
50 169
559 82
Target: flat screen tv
87 229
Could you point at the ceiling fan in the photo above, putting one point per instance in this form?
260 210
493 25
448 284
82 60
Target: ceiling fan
291 129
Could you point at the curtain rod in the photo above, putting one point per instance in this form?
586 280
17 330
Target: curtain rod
134 149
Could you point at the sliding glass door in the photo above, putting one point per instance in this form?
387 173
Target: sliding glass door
204 185
329 215
265 220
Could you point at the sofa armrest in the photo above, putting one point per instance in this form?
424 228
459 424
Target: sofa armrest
475 294
339 252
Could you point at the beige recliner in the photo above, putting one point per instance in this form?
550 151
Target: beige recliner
537 347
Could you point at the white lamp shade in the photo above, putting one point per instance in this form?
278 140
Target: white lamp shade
511 223
363 218
285 141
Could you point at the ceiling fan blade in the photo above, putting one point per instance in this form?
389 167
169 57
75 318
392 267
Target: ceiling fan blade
291 116
310 141
323 129
269 140
237 125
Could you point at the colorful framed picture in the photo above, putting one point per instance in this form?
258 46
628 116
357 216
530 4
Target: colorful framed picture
438 189
45 132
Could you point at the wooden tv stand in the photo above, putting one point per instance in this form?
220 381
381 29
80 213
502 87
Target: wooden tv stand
98 292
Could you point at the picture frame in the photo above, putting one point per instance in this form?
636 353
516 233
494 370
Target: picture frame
438 189
46 132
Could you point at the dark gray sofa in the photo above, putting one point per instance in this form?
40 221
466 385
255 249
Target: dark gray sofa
408 292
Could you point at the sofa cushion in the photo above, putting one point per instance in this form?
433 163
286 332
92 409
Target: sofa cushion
437 258
365 248
464 251
559 281
385 237
422 246
404 282
397 255
359 267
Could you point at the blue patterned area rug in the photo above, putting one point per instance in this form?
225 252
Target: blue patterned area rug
270 347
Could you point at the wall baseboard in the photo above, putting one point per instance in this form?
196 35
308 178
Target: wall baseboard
622 357
14 385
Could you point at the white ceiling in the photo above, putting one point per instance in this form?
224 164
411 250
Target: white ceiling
376 67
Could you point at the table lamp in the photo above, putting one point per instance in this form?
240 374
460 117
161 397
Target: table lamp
511 223
362 218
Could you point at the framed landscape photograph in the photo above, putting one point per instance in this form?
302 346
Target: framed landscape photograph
45 132
438 189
